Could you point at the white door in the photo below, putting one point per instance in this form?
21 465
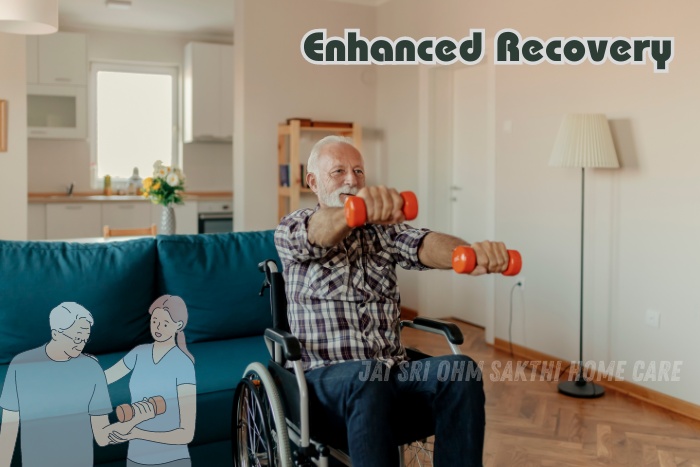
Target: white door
472 185
458 157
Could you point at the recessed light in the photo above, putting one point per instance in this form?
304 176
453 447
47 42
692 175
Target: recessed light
119 4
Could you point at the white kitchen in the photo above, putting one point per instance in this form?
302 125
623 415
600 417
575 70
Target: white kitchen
118 88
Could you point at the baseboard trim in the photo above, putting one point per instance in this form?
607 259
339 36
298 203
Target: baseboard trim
656 398
408 313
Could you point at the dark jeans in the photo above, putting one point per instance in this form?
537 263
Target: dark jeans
377 409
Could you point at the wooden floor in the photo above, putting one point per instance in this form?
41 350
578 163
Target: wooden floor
528 423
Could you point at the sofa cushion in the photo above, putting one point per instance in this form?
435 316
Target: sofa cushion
115 281
217 276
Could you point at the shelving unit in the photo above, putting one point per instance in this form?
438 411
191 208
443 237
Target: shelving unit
288 153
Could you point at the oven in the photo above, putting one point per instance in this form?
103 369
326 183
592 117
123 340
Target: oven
215 216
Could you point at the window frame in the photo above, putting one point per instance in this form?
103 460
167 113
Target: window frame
172 70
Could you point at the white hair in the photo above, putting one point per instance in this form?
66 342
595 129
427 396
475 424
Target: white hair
64 315
312 165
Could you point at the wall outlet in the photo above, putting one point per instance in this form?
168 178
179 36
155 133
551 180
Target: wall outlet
653 318
521 282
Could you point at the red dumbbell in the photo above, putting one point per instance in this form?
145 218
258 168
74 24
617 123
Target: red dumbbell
356 211
125 412
464 261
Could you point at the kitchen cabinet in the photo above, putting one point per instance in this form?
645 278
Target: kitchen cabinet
208 93
120 215
56 111
57 91
73 220
59 58
36 222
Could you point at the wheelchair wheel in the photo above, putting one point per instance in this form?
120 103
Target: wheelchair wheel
419 453
259 434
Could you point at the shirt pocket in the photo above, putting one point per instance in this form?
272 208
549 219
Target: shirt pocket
328 278
381 274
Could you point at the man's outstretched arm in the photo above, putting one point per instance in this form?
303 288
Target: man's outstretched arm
328 226
436 252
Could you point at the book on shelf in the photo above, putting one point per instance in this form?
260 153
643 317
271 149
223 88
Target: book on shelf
284 174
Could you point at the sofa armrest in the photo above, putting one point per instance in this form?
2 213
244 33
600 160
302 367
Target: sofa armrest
290 344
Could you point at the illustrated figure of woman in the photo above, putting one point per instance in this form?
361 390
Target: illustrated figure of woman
164 368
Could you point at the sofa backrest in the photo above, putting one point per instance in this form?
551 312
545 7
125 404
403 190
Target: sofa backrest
217 276
114 281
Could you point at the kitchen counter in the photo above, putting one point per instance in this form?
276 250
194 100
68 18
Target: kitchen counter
48 198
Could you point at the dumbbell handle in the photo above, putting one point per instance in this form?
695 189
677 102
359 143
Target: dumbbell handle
125 412
464 261
356 210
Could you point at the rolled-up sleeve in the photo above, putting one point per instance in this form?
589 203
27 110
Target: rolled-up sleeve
292 238
406 243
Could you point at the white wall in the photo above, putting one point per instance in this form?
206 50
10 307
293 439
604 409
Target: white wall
13 163
53 164
273 82
642 221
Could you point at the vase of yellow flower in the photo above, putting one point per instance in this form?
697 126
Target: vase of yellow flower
166 188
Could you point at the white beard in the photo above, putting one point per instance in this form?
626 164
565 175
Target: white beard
332 200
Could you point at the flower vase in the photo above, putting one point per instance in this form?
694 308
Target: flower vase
167 221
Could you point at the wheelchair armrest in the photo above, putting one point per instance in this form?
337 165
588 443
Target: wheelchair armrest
290 344
450 330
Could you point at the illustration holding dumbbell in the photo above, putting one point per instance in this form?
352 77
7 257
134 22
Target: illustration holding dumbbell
162 387
126 412
464 258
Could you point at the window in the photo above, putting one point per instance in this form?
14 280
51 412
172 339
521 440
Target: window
133 120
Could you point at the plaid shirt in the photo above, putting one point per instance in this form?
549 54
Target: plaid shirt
343 301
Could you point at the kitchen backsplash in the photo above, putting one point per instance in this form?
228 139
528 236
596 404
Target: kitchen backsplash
54 164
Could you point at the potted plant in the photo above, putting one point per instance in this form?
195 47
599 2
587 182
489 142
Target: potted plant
165 187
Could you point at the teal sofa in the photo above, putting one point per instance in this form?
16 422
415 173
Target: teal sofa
216 275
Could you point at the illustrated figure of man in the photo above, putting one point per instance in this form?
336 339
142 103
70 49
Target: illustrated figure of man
57 396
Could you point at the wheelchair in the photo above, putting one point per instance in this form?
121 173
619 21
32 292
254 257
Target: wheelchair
270 419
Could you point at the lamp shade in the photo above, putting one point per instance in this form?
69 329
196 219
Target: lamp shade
584 140
29 16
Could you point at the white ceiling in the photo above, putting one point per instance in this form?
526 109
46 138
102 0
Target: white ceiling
200 17
193 17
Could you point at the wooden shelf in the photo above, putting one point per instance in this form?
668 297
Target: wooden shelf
288 139
287 191
286 129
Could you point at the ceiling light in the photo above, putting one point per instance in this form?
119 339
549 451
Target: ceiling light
119 4
29 16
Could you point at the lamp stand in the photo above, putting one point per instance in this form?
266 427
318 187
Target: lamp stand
580 387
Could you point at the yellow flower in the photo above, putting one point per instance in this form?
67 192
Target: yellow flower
147 183
156 186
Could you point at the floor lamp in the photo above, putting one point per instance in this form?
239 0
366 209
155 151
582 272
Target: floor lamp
584 141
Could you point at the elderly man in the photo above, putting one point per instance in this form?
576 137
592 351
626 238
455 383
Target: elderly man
344 308
58 397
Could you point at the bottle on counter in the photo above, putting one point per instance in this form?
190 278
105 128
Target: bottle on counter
134 184
108 186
